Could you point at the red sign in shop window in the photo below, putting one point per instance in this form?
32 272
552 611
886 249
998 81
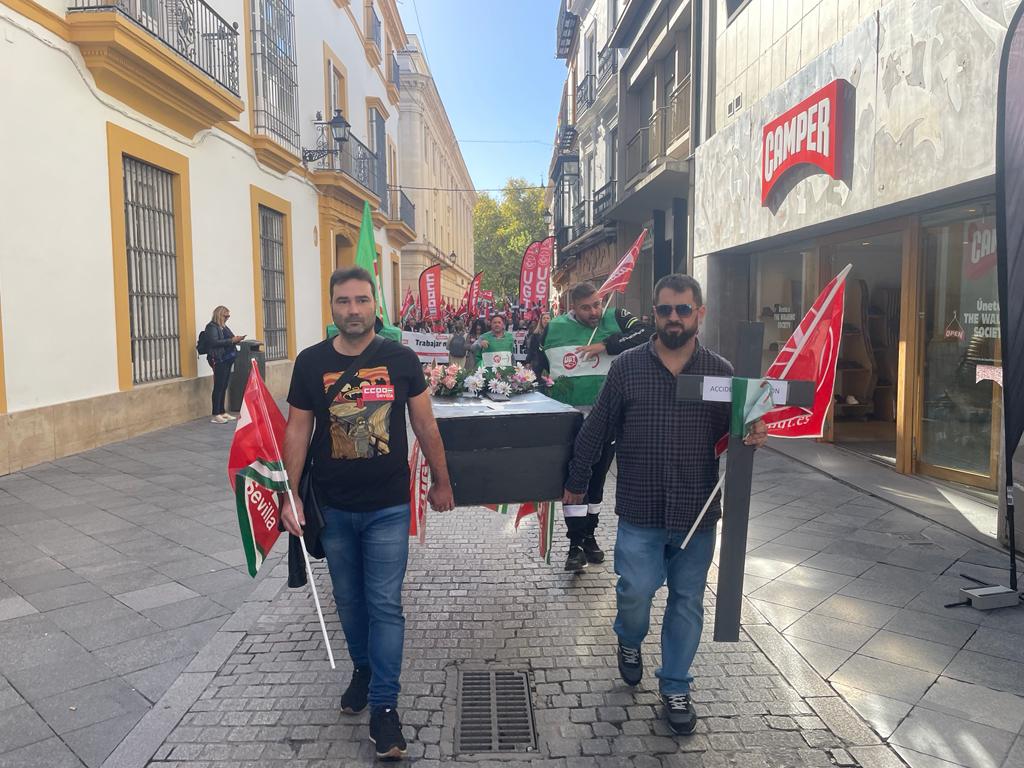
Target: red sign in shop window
808 133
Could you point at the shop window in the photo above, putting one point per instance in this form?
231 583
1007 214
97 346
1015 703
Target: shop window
778 280
961 345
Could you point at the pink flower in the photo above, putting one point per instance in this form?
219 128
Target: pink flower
452 369
449 381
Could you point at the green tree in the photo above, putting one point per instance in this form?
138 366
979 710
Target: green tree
502 229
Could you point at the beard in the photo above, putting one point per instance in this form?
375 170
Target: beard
676 340
353 331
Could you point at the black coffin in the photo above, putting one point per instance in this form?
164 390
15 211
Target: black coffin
508 451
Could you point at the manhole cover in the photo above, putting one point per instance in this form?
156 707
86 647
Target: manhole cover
495 712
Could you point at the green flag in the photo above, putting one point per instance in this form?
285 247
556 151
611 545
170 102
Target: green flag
366 257
751 399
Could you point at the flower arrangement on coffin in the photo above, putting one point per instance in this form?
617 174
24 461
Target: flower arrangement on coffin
495 383
444 380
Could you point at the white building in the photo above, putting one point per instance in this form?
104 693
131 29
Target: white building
436 180
153 170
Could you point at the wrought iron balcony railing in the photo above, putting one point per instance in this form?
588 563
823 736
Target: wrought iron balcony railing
581 220
585 93
275 95
566 137
395 75
567 23
402 209
607 65
354 159
373 31
191 28
604 199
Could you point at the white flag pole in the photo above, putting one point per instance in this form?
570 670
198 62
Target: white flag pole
707 504
606 303
305 553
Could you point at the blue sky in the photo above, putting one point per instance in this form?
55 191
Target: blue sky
495 68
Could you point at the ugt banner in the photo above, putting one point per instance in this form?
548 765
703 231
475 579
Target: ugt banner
430 292
535 273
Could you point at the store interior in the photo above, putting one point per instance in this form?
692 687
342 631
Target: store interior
866 374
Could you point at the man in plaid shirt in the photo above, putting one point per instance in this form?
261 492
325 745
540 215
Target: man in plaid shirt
667 469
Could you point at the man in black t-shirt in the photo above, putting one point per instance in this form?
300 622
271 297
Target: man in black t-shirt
360 473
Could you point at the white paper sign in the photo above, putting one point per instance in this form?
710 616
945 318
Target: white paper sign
497 359
717 389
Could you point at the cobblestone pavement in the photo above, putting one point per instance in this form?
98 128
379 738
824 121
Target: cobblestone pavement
477 594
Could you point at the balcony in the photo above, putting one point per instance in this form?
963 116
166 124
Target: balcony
176 61
637 153
607 65
581 219
566 33
679 112
356 161
566 138
373 42
563 235
401 224
604 199
394 79
585 93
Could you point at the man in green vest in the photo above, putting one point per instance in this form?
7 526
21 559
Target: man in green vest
579 348
494 348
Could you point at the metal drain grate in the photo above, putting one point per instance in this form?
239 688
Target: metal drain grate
495 712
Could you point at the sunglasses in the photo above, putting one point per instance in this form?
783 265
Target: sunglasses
665 310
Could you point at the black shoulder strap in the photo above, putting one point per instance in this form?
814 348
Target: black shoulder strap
346 377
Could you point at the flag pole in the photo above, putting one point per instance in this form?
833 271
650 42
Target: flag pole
606 303
707 505
305 553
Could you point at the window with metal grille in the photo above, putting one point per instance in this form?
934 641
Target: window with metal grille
152 272
275 73
275 302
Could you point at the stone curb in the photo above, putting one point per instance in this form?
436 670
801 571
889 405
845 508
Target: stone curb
142 742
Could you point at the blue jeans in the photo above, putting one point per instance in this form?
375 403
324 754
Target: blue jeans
367 553
645 558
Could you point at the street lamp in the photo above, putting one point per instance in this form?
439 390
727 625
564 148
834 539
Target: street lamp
339 128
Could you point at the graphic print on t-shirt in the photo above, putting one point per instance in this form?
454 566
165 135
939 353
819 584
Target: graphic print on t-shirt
361 414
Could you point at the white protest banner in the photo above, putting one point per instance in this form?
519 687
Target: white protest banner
429 347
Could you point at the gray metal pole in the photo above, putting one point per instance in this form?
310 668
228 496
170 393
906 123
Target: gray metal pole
736 514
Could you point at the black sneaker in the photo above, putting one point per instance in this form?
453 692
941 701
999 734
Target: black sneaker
631 665
592 551
353 700
386 733
577 559
679 712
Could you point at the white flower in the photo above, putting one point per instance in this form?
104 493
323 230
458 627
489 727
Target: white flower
474 383
499 387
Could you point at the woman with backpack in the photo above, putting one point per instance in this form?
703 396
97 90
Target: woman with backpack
220 354
457 346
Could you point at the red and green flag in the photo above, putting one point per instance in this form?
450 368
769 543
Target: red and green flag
256 470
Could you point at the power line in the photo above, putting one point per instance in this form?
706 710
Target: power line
504 141
458 189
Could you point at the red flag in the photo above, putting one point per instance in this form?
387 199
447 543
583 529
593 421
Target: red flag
535 272
419 485
407 305
619 278
474 294
256 470
430 292
811 354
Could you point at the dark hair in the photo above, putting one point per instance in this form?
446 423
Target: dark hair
679 284
340 276
501 315
581 291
